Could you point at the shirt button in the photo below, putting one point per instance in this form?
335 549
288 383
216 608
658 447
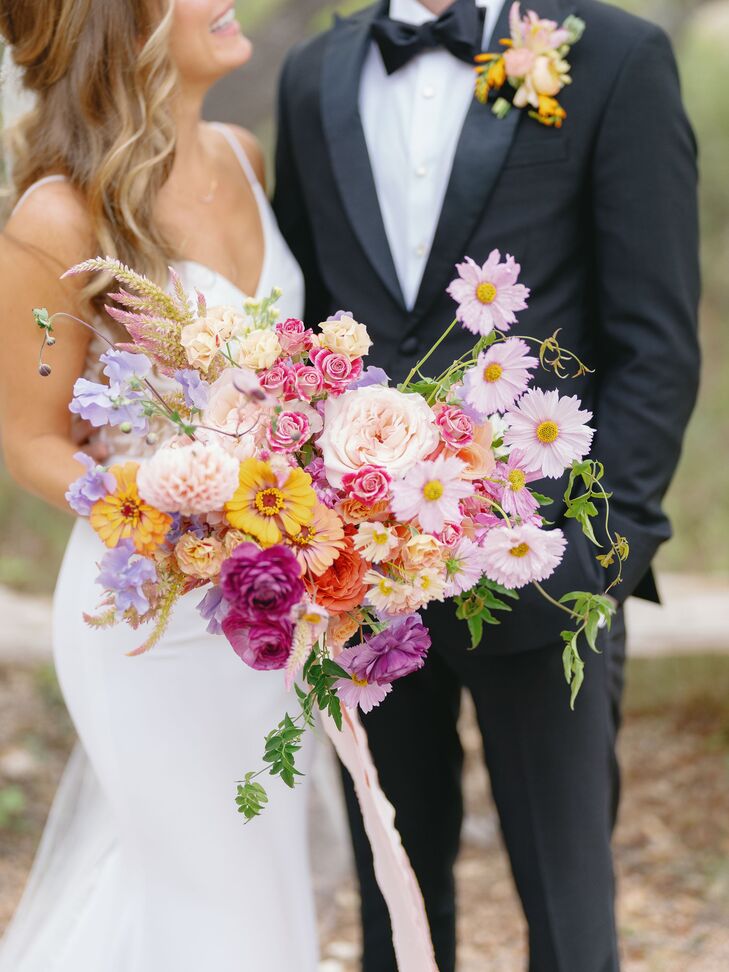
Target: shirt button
410 345
421 171
420 250
429 91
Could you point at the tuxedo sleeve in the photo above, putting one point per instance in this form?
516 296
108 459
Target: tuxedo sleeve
644 185
290 207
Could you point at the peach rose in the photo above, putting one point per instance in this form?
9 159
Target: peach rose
197 557
345 336
422 552
341 628
479 455
354 511
376 426
259 349
202 340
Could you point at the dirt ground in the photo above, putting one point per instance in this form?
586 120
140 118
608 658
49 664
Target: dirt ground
672 845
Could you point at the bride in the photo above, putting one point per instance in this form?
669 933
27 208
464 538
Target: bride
145 865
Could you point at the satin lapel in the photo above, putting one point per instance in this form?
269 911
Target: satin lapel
342 69
482 149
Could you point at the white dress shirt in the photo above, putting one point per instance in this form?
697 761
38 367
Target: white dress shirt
412 121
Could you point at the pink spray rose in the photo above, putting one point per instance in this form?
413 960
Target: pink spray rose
294 336
455 426
369 484
288 431
338 371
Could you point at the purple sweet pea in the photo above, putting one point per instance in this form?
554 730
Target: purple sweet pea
339 315
324 492
101 405
265 646
394 653
214 609
262 584
122 367
95 484
194 388
372 376
124 573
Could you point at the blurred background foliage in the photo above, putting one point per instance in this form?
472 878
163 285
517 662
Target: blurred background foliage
32 536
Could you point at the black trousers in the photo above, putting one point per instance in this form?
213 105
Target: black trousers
554 778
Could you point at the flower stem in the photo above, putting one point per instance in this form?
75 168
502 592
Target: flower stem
432 351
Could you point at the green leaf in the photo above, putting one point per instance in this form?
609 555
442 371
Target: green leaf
542 499
475 626
251 798
42 319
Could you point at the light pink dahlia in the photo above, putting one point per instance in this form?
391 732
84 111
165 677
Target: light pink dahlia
551 432
488 296
499 377
517 556
431 492
191 479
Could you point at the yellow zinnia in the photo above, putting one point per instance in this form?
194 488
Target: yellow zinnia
265 506
124 515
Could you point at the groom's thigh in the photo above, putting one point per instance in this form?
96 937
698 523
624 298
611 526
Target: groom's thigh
414 741
554 779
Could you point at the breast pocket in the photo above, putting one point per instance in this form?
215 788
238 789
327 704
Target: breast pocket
544 146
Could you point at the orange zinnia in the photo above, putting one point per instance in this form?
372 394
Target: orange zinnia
124 515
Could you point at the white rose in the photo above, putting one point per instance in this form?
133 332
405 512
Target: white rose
202 340
376 426
345 336
259 349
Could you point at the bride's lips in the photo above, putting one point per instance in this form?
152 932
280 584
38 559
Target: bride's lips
225 24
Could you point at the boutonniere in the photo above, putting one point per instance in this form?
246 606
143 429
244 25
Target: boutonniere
534 65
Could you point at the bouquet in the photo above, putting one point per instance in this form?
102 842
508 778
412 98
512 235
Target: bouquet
317 508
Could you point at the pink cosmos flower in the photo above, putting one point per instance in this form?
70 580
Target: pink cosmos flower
338 371
294 336
431 492
464 567
517 556
191 479
515 497
488 296
455 426
359 692
499 377
551 432
369 484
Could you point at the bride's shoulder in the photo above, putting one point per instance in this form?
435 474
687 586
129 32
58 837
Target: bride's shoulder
252 149
51 221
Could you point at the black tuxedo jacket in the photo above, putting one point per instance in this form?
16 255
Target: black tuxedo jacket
602 216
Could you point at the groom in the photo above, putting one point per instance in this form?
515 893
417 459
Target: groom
388 173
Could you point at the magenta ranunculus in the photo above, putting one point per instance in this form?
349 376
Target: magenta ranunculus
294 336
288 431
369 484
260 584
455 426
337 370
394 653
265 646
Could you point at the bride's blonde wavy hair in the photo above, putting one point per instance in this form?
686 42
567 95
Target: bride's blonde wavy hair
103 81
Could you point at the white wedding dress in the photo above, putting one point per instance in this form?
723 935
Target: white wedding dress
145 865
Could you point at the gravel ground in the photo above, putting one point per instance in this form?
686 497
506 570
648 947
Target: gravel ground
672 844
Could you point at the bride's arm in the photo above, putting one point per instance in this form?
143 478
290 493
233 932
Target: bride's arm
48 235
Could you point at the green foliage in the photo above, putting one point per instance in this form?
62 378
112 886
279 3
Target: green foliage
251 798
594 611
282 745
477 606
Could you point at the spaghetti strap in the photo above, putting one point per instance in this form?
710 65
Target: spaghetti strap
238 151
36 185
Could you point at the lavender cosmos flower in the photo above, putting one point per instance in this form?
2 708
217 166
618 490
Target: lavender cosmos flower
194 388
265 645
124 367
394 653
95 484
124 573
214 609
262 584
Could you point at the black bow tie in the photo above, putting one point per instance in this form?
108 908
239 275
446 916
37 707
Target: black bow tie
459 30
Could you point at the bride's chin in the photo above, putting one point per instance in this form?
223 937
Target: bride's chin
233 52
